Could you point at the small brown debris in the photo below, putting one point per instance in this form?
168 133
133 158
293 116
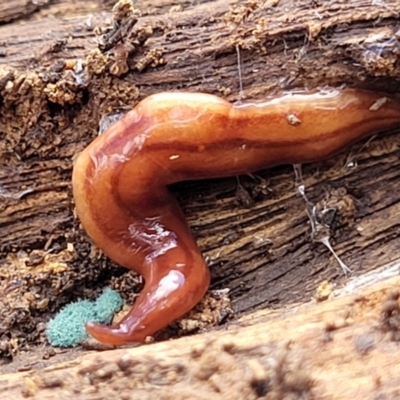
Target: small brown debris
390 316
324 290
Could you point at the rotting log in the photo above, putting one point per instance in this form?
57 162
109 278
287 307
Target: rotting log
60 77
345 348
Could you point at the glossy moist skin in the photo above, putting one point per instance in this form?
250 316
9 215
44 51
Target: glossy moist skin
120 180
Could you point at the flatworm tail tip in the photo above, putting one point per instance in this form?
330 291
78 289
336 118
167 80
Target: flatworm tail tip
109 335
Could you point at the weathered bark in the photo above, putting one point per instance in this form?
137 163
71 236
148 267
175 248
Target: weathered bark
340 349
50 108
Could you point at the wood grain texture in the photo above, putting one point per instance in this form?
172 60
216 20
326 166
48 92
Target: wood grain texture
263 251
338 349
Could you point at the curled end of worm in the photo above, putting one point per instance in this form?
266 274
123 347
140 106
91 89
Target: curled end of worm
163 300
112 335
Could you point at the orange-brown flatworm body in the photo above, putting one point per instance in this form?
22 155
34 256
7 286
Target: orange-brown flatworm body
120 180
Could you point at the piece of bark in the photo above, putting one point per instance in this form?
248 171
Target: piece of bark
345 348
51 108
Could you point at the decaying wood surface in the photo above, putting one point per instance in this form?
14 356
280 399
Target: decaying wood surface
60 77
346 348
